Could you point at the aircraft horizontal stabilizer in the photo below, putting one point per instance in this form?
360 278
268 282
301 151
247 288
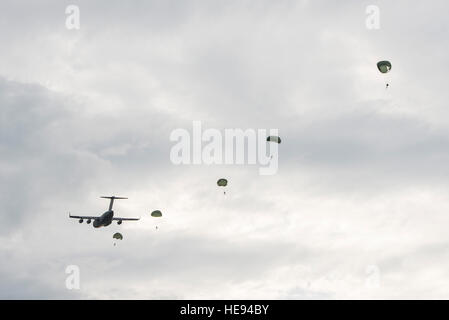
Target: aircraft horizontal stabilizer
113 197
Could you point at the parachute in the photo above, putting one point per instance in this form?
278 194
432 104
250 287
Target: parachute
384 67
156 214
222 183
274 139
117 236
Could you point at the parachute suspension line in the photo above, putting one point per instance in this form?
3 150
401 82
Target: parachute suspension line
387 80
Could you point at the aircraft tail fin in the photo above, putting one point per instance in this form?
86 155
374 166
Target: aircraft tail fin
112 200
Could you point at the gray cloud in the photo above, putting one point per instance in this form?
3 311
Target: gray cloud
362 178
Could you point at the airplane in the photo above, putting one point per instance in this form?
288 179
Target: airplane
106 218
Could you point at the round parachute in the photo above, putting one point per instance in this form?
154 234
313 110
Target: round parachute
274 139
117 236
384 66
156 214
222 182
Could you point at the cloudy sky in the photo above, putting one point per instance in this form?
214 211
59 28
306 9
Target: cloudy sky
359 207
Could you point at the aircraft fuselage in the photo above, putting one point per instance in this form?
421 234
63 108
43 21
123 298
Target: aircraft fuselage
104 220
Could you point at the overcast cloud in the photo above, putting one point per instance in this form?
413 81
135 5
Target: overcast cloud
363 172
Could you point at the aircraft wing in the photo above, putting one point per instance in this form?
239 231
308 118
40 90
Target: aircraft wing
83 217
125 219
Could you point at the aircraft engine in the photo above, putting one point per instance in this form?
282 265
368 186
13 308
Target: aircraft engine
97 223
88 221
81 221
119 222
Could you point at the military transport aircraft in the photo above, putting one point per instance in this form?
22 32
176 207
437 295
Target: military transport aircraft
106 218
